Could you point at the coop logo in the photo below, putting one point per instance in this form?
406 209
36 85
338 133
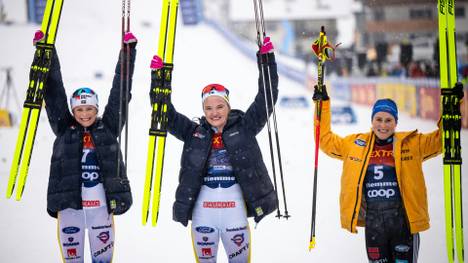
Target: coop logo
90 179
381 193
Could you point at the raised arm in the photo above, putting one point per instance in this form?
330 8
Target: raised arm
111 112
56 99
330 143
256 115
177 124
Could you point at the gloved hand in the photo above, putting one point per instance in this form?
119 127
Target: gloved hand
38 36
320 94
130 39
267 46
156 63
458 90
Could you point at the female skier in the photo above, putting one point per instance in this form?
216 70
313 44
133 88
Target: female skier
223 179
85 190
382 183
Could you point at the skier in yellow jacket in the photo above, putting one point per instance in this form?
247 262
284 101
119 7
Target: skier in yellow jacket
382 183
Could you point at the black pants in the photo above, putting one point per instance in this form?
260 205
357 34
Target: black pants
388 238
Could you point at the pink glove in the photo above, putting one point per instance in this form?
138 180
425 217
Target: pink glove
156 63
267 46
129 38
38 36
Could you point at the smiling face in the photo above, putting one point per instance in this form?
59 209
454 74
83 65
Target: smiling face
85 115
383 125
216 111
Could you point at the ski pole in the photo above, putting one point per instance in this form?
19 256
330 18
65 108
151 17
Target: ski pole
260 25
321 49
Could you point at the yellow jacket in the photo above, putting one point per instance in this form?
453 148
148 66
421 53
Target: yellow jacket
410 150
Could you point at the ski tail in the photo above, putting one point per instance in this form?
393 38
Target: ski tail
34 98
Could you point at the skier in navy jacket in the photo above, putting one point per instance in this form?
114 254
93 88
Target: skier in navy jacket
223 179
85 190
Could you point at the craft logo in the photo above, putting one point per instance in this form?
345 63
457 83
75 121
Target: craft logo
238 239
104 236
91 203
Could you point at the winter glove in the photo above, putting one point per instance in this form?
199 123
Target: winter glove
130 39
458 90
267 46
320 94
38 36
156 63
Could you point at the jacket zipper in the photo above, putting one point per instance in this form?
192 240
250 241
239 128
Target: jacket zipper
371 145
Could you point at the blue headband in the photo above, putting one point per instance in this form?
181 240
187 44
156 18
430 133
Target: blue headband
385 105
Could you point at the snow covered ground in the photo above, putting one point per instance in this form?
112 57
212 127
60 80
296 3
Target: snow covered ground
88 44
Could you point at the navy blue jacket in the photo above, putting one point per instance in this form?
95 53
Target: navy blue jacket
64 190
243 151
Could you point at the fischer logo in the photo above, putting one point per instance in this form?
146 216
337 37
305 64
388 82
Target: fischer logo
387 193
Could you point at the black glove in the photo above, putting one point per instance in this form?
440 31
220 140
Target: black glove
320 94
458 90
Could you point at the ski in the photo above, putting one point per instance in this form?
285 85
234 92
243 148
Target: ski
324 51
451 124
269 102
34 98
160 94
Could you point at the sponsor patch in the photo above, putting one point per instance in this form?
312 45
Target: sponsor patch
198 135
104 236
360 142
238 239
236 229
206 252
91 203
373 252
227 204
71 230
402 248
239 252
71 252
204 229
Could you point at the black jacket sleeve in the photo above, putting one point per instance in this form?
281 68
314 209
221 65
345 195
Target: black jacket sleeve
56 99
178 124
256 115
111 113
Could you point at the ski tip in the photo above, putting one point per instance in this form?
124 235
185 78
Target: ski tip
312 244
